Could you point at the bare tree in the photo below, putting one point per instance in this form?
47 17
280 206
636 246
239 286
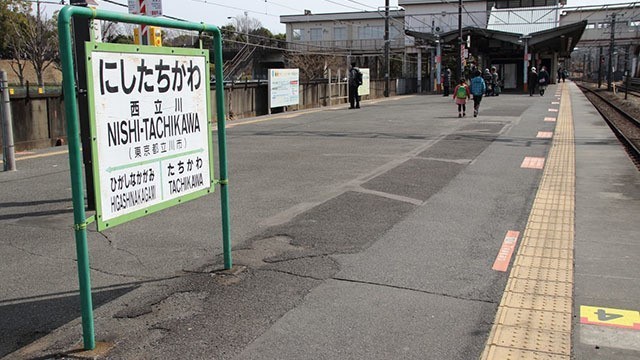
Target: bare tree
18 57
244 25
15 46
312 66
40 40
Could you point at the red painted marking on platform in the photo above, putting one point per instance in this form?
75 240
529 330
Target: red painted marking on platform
584 320
506 251
550 119
544 135
553 110
532 163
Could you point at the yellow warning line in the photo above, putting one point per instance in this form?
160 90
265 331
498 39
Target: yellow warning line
534 317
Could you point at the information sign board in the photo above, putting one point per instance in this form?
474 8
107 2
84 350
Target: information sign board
365 88
151 135
284 87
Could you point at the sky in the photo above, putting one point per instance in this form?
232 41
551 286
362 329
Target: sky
268 12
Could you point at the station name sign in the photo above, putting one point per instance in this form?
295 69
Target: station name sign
151 135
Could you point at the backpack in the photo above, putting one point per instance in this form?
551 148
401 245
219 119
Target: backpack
358 77
462 92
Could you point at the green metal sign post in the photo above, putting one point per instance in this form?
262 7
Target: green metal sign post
75 147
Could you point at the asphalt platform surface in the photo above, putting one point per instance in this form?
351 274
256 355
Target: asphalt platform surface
357 234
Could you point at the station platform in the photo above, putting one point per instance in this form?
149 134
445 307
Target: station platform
394 231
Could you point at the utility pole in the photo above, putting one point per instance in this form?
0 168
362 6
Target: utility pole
611 45
8 149
600 63
246 27
387 65
460 70
627 72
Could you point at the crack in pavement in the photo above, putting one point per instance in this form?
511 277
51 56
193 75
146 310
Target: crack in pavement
416 290
291 273
112 243
116 274
11 244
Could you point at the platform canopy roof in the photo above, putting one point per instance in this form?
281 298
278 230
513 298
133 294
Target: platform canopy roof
561 39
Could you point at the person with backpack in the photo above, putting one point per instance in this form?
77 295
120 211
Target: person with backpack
355 80
543 80
460 95
478 89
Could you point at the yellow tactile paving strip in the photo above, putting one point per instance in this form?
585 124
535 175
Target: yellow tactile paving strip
534 316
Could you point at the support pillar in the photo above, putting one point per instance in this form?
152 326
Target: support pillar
439 64
419 71
526 64
432 66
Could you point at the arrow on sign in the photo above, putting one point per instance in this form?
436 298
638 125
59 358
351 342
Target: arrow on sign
603 316
126 166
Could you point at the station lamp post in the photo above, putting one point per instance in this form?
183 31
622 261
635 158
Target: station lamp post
460 70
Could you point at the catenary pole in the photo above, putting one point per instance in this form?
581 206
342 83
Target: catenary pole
460 70
387 66
8 149
611 45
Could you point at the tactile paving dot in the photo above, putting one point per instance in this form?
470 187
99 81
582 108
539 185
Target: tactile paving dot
545 252
550 288
544 274
543 262
550 242
556 342
503 353
535 319
536 302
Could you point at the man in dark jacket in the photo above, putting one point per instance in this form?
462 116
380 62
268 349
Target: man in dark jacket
446 81
355 80
543 80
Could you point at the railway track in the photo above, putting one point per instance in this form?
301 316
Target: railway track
624 125
632 90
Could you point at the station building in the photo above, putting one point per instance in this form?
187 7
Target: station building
511 35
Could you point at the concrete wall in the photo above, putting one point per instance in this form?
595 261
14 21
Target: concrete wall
38 122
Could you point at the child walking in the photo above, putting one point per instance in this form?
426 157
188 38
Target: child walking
461 94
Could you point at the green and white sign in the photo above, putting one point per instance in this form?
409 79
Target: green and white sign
365 88
284 87
149 110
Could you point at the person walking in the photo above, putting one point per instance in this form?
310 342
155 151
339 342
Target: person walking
478 88
559 73
355 80
460 95
533 80
495 82
543 80
446 81
487 81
